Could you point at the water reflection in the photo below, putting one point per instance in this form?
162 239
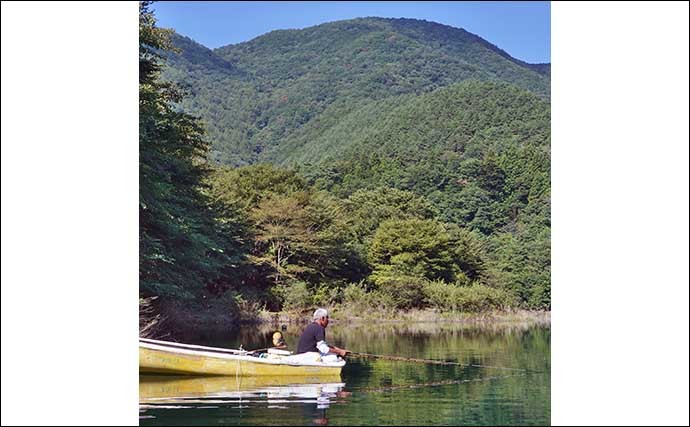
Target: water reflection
169 392
393 338
378 391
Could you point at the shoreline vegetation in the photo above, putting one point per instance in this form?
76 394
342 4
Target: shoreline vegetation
343 315
436 209
179 322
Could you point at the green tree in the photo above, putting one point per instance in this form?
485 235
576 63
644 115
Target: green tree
180 247
413 247
469 252
282 230
367 209
245 187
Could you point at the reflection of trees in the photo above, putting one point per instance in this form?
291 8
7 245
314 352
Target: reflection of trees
444 341
516 345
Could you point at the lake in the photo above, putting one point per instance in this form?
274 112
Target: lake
511 387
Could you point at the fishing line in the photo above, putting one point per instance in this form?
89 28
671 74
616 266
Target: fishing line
433 384
434 362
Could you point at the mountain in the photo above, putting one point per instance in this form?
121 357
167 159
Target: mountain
287 87
368 107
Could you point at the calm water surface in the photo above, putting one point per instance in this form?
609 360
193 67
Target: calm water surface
374 391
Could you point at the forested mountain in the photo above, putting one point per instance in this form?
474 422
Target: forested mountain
254 95
389 163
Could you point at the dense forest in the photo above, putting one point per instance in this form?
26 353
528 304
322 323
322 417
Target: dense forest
280 89
390 163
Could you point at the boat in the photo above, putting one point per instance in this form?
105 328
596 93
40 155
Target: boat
164 357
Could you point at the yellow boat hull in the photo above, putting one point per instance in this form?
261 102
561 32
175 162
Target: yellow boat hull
161 359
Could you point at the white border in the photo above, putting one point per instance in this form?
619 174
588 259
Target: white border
69 213
620 213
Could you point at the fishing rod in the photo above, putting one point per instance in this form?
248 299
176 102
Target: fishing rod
279 342
429 361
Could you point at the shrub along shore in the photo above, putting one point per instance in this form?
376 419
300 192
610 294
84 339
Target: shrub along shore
178 322
344 314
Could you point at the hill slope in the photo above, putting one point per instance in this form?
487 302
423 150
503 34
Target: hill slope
478 150
393 103
256 95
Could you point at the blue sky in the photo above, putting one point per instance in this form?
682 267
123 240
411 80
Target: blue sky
520 28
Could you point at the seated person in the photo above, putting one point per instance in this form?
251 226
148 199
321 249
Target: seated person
279 341
313 338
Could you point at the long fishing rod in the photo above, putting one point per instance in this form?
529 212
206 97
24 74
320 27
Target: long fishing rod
430 361
279 342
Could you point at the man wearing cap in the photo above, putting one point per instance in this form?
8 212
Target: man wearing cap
313 338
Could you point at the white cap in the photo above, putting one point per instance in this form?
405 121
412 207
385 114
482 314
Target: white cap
319 313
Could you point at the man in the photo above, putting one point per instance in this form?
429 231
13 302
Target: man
313 338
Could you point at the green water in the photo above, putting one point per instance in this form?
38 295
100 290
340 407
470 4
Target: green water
382 392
